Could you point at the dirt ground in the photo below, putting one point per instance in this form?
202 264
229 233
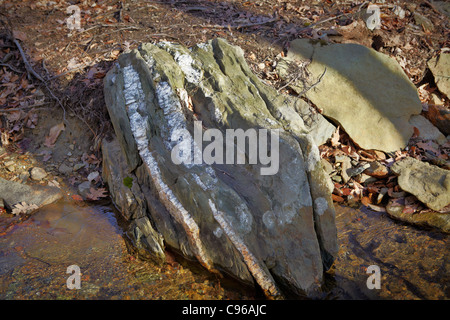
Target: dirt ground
52 111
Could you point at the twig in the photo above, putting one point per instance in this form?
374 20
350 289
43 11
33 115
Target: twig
315 84
333 18
11 67
23 108
27 64
37 76
236 26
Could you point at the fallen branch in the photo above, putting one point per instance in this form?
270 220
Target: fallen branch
27 64
10 67
37 76
24 108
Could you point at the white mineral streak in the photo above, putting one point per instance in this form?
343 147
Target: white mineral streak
171 106
139 126
320 205
313 157
262 278
185 61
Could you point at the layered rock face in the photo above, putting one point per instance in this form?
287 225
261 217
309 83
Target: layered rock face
269 222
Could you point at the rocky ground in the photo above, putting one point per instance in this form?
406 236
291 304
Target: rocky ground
53 118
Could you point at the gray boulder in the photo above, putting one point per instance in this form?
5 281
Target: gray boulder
363 90
429 183
273 227
14 193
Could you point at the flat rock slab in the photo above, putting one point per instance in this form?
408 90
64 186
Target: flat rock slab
433 219
14 192
363 90
429 183
427 130
276 230
440 67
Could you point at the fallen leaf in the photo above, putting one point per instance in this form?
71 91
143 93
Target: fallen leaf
19 35
365 201
76 197
95 194
23 207
337 198
408 210
335 138
53 135
54 183
426 146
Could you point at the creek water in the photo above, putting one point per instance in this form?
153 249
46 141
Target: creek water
35 255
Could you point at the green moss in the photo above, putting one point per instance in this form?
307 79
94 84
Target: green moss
128 182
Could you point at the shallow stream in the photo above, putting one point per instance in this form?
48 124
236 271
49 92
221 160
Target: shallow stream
35 255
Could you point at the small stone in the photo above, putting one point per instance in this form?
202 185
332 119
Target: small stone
423 21
9 163
24 175
69 154
11 168
364 178
64 169
336 178
346 166
355 171
377 170
71 147
37 174
83 188
93 175
340 158
328 167
78 166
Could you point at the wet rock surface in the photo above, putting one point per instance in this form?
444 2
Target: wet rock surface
231 218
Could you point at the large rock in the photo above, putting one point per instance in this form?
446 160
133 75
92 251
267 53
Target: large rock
14 193
429 183
275 227
365 91
440 67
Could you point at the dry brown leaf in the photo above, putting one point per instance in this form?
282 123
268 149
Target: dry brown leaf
335 138
426 146
23 207
365 201
53 135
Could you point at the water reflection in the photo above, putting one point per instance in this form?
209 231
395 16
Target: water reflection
414 262
35 254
